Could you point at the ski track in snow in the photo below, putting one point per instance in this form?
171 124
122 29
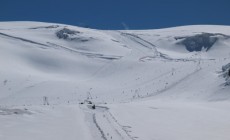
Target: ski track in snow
150 46
175 83
88 54
98 127
107 125
25 40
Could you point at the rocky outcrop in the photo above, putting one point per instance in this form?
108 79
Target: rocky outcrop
226 73
200 41
72 35
66 33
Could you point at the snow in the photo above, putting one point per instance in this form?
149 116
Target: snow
175 120
46 122
144 83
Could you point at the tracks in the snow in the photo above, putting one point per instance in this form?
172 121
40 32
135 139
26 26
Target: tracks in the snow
150 47
106 125
88 54
52 45
25 40
99 128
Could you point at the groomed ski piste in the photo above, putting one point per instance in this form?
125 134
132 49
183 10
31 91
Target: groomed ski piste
62 82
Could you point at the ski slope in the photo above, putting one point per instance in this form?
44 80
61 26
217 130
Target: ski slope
146 84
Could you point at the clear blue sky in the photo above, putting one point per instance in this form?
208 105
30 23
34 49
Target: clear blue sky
118 14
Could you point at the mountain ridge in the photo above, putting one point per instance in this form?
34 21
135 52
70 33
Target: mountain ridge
75 54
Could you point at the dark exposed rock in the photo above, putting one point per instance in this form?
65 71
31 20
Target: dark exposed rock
200 41
226 67
226 73
72 35
65 33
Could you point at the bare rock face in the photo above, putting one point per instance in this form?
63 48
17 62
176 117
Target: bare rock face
66 33
226 73
72 35
200 41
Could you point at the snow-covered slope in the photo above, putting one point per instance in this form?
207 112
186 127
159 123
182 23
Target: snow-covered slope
67 65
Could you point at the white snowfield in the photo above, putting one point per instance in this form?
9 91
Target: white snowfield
164 84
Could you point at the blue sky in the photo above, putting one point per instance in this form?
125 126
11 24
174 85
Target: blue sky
118 14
